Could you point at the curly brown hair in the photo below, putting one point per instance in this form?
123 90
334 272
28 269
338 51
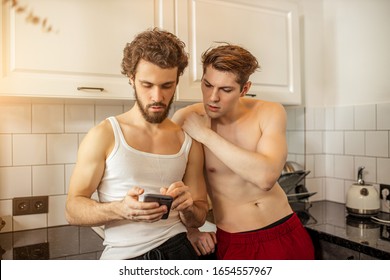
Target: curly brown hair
157 46
231 58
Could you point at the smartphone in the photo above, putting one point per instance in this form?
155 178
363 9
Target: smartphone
161 199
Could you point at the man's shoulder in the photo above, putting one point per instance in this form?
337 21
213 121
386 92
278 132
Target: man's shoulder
181 114
264 106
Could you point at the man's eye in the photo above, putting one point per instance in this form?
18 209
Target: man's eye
146 85
167 86
227 90
207 85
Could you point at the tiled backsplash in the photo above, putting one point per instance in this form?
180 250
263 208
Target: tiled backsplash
339 140
38 149
39 142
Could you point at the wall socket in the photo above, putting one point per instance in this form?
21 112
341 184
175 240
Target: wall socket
30 205
383 187
385 201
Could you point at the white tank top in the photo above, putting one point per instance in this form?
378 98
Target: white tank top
127 167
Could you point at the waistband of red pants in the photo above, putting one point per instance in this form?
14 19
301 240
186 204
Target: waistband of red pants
261 234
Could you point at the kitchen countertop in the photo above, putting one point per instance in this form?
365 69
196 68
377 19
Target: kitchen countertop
58 243
329 221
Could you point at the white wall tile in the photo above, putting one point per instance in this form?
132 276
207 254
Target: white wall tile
26 222
334 142
316 185
383 166
5 150
319 119
15 118
354 143
344 167
344 119
314 143
310 118
15 182
300 118
291 157
56 215
79 118
290 112
29 149
62 148
377 143
48 180
309 165
370 169
329 118
319 166
365 117
329 161
103 112
300 158
296 142
383 116
47 118
334 190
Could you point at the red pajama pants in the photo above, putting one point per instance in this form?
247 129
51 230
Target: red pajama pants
286 241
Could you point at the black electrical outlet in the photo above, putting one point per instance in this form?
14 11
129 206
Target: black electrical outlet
30 205
383 187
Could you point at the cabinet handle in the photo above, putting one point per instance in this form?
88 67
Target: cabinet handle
250 94
90 88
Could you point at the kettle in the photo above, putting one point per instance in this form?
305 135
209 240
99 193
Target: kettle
362 199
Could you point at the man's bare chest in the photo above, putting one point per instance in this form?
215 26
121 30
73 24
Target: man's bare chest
245 135
161 143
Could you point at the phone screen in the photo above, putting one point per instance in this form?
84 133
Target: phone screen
162 200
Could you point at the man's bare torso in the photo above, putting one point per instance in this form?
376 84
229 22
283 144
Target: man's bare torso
239 205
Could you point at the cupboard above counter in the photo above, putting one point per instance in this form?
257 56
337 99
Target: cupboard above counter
80 58
268 29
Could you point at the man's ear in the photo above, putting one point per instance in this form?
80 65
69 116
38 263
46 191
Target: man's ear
246 88
131 81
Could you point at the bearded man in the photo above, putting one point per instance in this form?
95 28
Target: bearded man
142 152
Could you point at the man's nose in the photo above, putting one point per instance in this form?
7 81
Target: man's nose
214 95
157 94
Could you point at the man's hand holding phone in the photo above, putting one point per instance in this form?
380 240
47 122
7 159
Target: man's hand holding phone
161 200
135 209
182 198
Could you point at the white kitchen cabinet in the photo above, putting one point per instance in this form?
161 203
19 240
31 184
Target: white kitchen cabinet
269 29
86 44
84 48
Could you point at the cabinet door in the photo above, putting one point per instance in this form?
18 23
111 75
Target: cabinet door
269 29
83 50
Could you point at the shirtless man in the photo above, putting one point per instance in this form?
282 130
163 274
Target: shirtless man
139 152
245 150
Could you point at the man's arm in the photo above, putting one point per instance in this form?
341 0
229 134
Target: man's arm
190 195
271 151
194 178
203 242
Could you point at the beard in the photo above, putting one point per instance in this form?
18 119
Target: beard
153 117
